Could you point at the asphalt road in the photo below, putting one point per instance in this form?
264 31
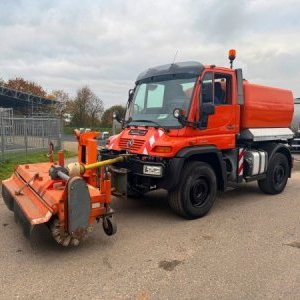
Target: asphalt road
248 247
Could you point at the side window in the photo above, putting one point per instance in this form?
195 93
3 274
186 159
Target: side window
207 88
139 101
222 89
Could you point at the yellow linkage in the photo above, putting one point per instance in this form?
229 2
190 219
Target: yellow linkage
103 163
75 169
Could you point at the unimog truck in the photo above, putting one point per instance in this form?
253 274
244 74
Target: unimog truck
194 129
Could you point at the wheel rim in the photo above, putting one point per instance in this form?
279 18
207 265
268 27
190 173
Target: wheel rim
199 192
279 175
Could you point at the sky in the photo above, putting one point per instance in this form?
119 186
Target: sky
67 44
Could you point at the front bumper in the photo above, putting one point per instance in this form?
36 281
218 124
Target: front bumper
170 169
135 165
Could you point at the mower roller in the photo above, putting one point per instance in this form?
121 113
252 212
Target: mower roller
67 199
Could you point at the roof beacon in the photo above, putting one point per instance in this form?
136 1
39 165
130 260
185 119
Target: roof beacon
231 56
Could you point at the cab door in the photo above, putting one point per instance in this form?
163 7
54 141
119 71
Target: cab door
221 125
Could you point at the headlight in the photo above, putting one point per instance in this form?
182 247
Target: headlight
152 170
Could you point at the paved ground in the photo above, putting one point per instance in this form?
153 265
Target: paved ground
247 247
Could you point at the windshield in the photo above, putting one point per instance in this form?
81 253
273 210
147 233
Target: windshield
155 100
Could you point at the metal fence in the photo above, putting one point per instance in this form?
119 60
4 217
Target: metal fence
28 134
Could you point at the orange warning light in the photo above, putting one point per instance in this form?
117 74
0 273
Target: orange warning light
231 54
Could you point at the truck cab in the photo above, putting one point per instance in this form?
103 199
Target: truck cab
183 132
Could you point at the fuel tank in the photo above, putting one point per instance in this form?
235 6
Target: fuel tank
266 107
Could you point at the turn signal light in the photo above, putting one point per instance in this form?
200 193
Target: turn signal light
162 149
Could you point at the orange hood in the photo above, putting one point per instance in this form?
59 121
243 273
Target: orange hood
138 140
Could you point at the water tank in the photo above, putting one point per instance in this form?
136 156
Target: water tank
266 107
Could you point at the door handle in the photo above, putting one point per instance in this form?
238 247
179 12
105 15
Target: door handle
230 126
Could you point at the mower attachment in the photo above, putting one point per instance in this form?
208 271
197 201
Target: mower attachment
68 200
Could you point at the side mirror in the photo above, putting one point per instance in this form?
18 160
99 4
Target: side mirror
208 109
130 95
117 117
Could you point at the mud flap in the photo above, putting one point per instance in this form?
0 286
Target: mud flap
21 219
79 206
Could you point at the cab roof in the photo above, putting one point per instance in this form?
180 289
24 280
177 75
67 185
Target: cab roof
187 67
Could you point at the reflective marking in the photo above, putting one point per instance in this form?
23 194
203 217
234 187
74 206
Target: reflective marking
160 132
96 205
151 140
241 161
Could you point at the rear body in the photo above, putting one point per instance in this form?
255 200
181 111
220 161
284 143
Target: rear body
193 129
296 126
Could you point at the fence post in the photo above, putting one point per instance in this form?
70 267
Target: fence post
49 128
59 125
113 127
43 133
2 138
25 136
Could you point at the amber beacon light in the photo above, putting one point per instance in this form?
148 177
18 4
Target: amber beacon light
231 56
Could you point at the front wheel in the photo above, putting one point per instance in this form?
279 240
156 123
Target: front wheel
196 192
277 175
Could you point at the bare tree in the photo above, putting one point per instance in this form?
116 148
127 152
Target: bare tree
63 102
87 108
95 110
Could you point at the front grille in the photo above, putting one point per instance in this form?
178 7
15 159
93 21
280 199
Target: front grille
137 144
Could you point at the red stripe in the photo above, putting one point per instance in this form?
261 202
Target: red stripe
241 154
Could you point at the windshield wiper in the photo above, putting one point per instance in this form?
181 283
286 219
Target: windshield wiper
149 121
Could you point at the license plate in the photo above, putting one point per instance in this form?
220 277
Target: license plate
152 170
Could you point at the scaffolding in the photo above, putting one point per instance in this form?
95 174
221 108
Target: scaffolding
6 125
26 103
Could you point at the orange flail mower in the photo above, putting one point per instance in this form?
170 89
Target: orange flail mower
67 199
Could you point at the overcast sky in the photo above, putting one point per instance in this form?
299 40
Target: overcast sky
64 44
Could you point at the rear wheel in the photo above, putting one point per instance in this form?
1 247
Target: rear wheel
196 192
277 175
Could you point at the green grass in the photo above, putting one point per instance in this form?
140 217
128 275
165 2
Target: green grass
7 164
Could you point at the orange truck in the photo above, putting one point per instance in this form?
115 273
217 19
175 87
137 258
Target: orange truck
194 129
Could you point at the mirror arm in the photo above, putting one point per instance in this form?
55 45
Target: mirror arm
183 121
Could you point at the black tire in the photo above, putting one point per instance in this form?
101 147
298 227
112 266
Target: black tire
196 192
8 199
109 225
277 175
